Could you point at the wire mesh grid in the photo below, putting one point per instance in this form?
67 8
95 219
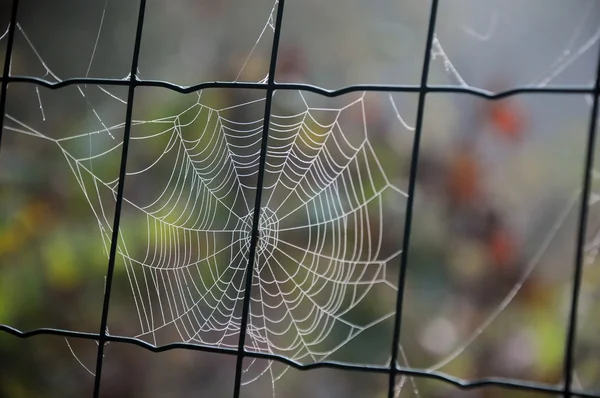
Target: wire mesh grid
270 86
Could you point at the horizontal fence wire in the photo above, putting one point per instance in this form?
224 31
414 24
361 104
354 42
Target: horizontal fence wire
270 86
400 88
376 369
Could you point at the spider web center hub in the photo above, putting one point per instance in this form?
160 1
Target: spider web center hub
268 232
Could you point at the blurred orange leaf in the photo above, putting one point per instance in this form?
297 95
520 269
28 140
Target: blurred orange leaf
464 184
508 120
501 248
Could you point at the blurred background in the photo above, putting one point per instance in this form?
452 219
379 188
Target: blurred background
497 201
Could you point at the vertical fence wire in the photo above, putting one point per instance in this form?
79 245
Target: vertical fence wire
114 243
7 62
257 204
412 182
270 87
569 358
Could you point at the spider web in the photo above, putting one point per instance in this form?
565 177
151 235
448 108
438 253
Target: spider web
324 187
321 184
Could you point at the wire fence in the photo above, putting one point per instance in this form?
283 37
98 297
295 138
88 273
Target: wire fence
270 86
